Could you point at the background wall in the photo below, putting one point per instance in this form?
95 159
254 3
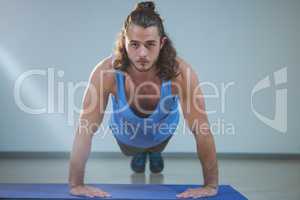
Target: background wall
232 45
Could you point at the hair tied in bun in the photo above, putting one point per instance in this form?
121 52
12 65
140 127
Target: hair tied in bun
146 5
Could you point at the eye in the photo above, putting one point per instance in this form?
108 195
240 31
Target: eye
151 44
134 45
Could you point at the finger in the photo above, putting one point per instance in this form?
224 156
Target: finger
97 193
75 192
198 196
184 195
78 193
180 195
202 195
187 195
106 194
213 193
89 195
92 191
103 194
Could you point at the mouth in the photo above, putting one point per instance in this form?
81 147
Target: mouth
142 62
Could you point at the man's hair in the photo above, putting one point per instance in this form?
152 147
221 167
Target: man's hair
144 15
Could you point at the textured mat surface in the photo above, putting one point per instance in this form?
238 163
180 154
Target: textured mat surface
117 191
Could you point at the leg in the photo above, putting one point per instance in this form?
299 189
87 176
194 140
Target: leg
155 157
129 150
160 147
139 157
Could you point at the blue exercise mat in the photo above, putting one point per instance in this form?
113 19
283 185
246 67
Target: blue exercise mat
117 191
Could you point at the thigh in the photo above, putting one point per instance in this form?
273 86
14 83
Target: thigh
160 147
129 150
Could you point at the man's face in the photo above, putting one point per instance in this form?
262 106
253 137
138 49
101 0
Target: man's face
143 46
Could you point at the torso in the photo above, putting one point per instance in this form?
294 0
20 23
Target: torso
142 106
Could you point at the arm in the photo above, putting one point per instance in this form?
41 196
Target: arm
94 104
193 107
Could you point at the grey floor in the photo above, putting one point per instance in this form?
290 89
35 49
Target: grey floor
256 178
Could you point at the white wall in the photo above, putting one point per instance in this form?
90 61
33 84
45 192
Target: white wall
234 43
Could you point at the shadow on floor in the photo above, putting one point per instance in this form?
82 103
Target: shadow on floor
140 178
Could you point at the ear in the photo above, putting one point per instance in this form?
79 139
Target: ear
163 41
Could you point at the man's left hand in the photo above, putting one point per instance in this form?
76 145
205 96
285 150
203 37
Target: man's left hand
205 191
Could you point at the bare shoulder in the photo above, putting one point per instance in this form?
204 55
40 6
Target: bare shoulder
186 74
185 69
103 73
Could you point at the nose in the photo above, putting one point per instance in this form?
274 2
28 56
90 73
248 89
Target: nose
143 51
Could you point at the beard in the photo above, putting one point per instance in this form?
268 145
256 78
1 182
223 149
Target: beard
143 66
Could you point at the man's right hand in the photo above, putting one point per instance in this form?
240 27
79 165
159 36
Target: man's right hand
89 191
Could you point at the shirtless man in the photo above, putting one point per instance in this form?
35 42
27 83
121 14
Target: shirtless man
146 81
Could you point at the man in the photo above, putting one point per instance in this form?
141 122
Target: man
145 79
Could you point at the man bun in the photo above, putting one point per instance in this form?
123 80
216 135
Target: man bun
146 5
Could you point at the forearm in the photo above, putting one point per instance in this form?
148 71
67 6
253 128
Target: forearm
207 155
93 107
79 155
